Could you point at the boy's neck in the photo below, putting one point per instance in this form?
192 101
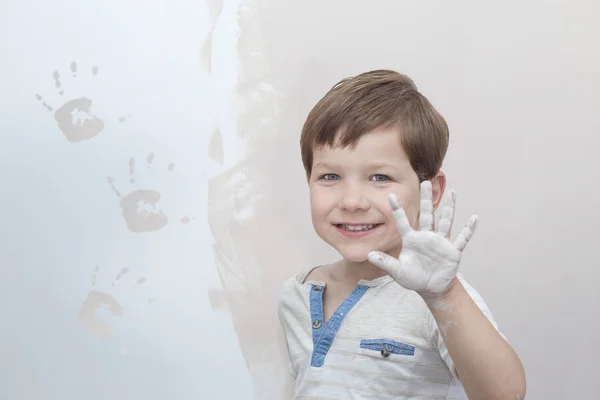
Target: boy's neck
353 272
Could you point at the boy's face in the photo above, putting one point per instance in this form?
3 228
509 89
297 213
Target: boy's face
349 191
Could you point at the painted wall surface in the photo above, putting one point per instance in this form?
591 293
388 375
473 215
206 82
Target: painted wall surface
153 197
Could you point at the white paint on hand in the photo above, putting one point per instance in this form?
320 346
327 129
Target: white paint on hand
428 262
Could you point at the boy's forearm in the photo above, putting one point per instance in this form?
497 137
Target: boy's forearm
486 364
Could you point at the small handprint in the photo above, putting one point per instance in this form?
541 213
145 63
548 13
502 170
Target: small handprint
97 300
74 117
428 262
139 207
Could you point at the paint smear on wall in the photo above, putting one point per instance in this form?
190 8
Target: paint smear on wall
215 150
254 254
215 8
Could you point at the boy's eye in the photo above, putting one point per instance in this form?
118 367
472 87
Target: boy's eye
380 178
330 177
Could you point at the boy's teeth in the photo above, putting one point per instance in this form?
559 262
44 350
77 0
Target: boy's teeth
357 227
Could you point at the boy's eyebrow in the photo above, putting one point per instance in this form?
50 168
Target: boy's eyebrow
370 165
379 164
324 165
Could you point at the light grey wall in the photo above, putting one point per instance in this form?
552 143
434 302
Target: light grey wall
202 104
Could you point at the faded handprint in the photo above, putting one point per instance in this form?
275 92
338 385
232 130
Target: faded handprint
139 207
74 117
97 300
428 262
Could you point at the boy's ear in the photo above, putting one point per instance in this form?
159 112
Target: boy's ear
438 185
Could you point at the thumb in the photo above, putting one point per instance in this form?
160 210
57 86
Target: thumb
384 261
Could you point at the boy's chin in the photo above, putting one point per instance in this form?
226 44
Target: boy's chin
362 254
356 259
354 256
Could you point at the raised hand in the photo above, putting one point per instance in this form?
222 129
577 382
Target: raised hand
428 262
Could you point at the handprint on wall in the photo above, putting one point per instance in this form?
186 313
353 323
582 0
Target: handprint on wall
139 207
97 300
74 116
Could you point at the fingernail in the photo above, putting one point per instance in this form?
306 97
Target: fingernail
473 222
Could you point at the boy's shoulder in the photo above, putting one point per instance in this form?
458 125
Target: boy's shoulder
289 286
293 291
292 300
292 286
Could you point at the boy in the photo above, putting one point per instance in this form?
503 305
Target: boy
392 319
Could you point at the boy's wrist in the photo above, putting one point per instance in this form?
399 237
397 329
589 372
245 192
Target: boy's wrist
437 301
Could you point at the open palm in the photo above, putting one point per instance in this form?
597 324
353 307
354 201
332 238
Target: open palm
428 262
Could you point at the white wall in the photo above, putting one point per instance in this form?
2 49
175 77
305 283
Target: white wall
217 92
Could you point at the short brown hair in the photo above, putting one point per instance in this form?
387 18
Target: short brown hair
378 99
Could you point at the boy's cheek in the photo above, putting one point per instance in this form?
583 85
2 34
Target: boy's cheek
412 213
320 196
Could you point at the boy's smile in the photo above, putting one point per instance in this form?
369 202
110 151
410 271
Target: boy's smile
357 230
349 190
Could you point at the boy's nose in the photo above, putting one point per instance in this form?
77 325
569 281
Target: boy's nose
354 200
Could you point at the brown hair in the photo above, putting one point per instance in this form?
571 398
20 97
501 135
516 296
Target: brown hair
378 99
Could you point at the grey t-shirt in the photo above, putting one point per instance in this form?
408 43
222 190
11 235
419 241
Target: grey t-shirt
381 343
